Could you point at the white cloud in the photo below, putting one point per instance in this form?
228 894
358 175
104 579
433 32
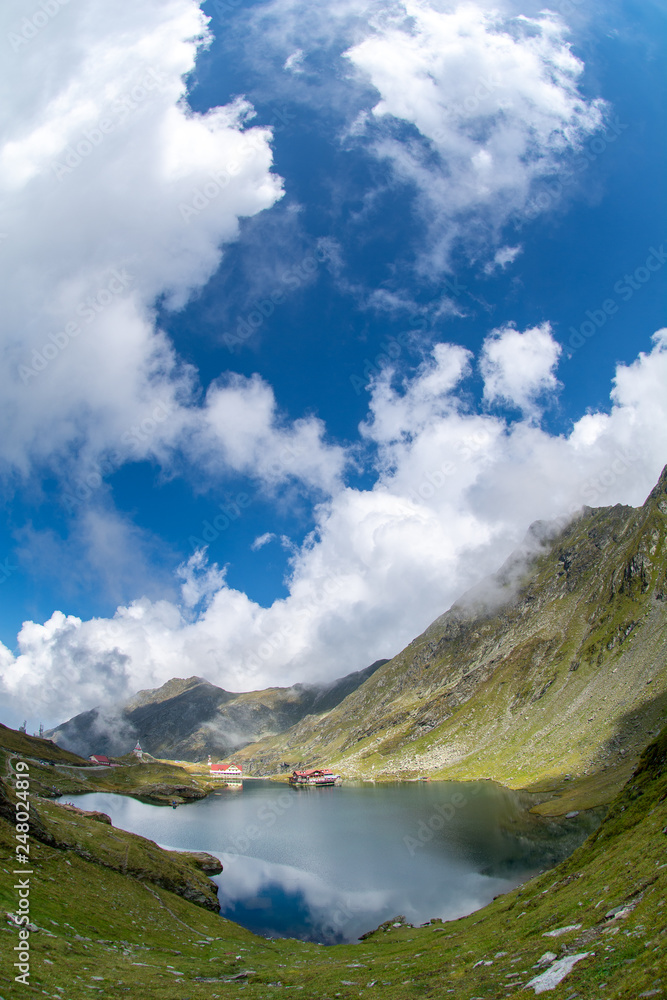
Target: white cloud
200 582
455 492
113 193
397 416
502 257
262 540
494 97
293 62
518 368
240 428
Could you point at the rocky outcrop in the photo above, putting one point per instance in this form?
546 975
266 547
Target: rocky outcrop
99 817
208 863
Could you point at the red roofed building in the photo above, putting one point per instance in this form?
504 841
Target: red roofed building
226 770
317 776
99 758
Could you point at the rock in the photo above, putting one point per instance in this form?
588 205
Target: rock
546 959
100 817
562 930
550 979
207 863
12 918
620 912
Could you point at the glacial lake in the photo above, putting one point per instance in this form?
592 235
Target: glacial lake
329 864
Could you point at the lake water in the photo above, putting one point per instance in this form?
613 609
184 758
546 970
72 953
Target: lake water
328 864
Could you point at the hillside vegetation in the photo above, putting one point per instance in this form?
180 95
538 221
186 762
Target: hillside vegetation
556 669
55 772
118 931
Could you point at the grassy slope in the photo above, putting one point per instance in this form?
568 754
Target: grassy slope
91 836
158 781
34 746
107 933
566 680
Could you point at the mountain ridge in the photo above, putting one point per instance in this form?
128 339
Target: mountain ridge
191 718
553 667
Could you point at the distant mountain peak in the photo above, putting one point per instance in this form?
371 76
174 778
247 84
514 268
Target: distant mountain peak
191 717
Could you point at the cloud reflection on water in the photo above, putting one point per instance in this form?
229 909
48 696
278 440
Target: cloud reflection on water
281 901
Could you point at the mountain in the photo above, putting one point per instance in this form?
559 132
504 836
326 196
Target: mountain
191 718
554 667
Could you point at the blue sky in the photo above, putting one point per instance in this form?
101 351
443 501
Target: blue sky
312 309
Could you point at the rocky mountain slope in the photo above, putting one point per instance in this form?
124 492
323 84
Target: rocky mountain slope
556 667
191 718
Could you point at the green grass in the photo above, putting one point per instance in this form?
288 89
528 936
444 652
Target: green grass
35 746
97 922
159 781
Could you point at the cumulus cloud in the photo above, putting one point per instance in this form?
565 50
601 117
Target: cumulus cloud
454 493
494 100
518 368
113 194
240 428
